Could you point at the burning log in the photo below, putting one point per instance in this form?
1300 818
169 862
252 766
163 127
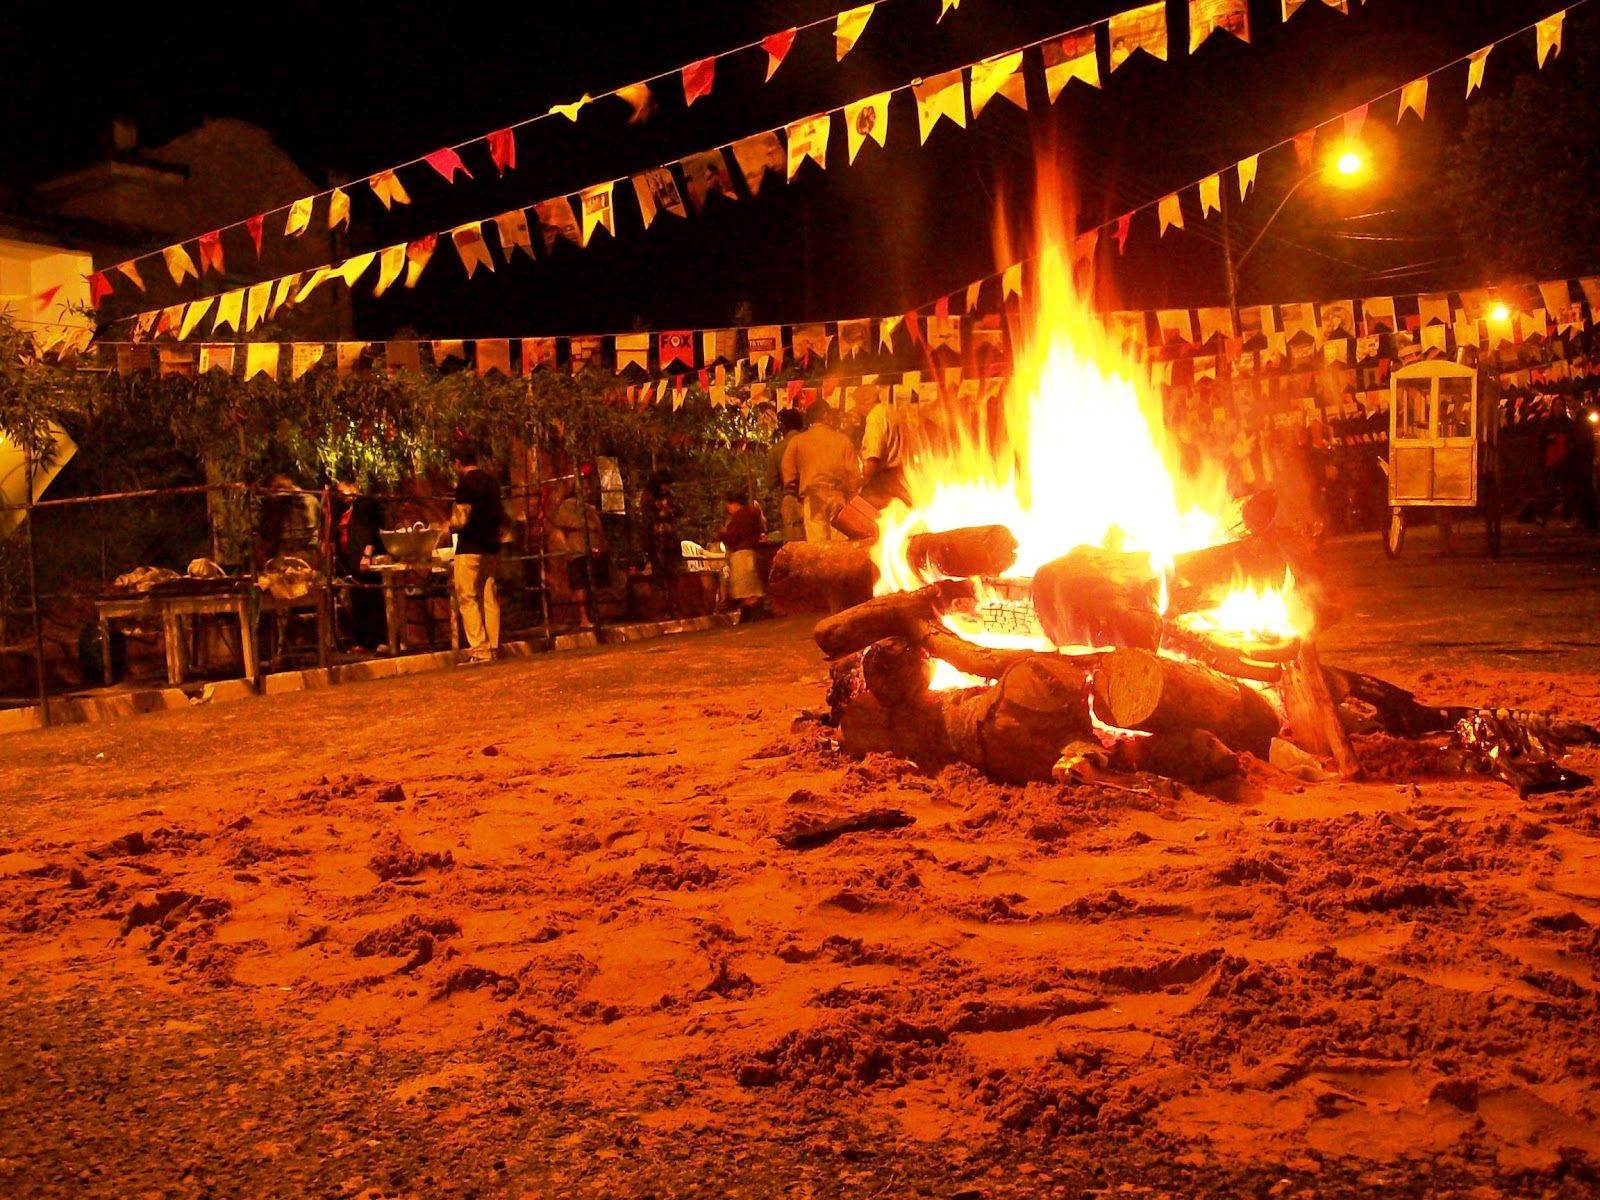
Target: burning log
983 662
1098 597
1203 578
896 671
1135 689
821 576
962 553
1314 723
899 614
1012 731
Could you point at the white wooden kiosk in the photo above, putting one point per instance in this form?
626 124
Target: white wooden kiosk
1435 444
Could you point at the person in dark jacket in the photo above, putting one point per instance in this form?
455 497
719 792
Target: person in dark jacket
477 520
356 543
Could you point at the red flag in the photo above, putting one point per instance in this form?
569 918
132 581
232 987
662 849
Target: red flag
503 149
777 48
914 327
255 225
211 252
1304 143
447 162
941 307
1124 223
697 79
99 287
677 346
47 295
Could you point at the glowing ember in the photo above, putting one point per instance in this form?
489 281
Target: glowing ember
1253 614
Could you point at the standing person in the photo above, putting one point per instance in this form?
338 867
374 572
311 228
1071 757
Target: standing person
577 534
356 542
291 522
821 468
477 521
791 515
740 535
662 546
882 452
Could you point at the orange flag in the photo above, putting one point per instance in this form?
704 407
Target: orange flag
777 48
470 245
179 264
386 187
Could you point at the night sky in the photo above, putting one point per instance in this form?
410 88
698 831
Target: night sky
348 90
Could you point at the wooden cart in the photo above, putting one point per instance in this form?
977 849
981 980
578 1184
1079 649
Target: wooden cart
1443 451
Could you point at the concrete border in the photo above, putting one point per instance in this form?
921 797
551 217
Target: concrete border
105 704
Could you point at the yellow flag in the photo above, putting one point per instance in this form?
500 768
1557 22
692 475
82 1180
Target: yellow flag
1210 195
514 235
1143 28
865 119
1414 96
1011 281
947 6
192 315
1475 67
570 111
281 291
386 187
1547 33
1247 174
940 96
179 264
418 254
318 278
1068 58
597 210
847 28
303 356
261 358
1208 16
998 76
470 245
347 355
338 208
353 269
1170 212
299 217
130 270
257 299
633 349
809 139
229 311
391 262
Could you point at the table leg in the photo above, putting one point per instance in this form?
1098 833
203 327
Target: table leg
324 628
105 651
393 611
247 643
172 634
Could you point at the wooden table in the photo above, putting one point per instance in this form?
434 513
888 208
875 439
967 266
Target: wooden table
144 608
176 610
317 599
397 577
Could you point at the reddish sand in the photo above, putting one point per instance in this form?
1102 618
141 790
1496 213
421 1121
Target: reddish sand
1311 981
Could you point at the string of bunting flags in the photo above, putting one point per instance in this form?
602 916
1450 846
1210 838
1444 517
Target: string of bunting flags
696 180
388 189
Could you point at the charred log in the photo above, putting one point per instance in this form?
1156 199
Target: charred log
961 553
896 671
1098 597
1191 756
1314 723
1135 689
899 614
821 576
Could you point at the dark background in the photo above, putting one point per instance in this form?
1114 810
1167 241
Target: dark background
351 89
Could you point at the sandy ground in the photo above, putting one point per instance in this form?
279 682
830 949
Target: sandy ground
528 930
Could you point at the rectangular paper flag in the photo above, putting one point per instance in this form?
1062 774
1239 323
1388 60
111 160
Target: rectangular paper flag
402 356
759 155
1143 28
633 349
1067 58
261 358
538 352
940 96
556 220
809 139
492 354
657 192
998 76
1208 16
513 229
865 119
303 356
716 345
597 211
766 343
675 346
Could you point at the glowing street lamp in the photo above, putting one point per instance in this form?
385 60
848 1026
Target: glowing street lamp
1500 313
1350 164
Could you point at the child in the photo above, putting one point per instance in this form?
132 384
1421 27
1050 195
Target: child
745 530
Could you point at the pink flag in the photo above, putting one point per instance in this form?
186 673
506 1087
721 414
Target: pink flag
447 162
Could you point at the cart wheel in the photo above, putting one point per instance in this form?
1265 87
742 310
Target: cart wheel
1394 534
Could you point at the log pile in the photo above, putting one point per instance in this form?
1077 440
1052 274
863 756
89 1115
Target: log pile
1154 697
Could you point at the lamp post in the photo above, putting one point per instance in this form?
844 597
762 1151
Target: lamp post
1348 168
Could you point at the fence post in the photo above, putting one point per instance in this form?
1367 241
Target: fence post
33 593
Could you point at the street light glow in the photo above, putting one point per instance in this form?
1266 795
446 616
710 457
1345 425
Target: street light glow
1499 313
1349 163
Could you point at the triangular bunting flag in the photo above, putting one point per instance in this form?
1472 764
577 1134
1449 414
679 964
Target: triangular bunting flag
299 216
503 150
211 251
597 211
417 255
390 263
1124 224
99 288
757 156
1556 295
809 139
255 226
940 96
1414 96
514 235
946 6
639 98
1354 121
557 220
192 315
1210 195
1547 33
865 119
570 111
847 29
303 356
179 264
474 251
1475 66
352 269
261 358
1208 16
318 277
1143 28
338 208
1170 212
386 187
886 329
447 162
1067 58
1011 282
130 271
998 76
256 301
657 191
777 48
697 79
1247 174
974 291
